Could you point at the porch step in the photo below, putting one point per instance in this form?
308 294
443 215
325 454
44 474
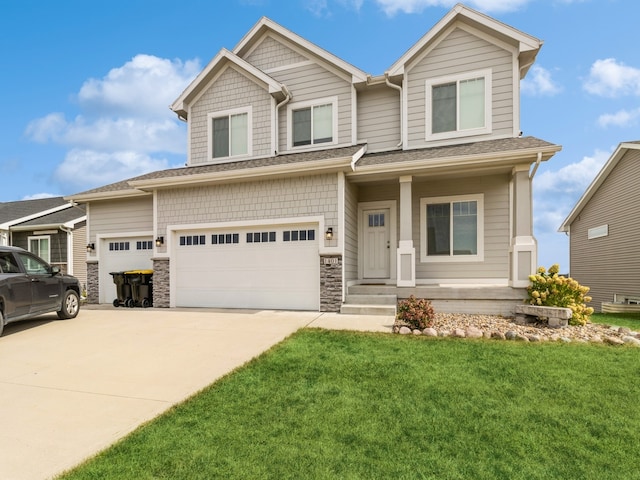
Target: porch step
363 304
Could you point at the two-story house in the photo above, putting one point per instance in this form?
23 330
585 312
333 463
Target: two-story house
313 185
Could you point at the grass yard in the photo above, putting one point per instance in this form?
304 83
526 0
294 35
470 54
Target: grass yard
631 320
345 405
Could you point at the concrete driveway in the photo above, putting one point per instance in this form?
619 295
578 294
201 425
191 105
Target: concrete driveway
69 388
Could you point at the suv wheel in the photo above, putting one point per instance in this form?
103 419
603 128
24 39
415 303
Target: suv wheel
70 305
1 323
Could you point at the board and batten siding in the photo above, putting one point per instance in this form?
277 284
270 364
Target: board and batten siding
231 90
461 52
261 200
121 216
610 264
379 118
314 82
271 53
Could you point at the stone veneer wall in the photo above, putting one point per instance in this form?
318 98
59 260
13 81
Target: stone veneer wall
330 283
161 292
93 285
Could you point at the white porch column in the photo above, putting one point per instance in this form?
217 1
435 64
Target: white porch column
523 251
406 264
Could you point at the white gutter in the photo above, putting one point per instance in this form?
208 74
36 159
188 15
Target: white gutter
287 99
535 167
399 88
357 156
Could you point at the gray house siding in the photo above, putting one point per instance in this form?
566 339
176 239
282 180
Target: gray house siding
231 90
350 261
379 118
610 264
57 245
461 52
121 216
271 53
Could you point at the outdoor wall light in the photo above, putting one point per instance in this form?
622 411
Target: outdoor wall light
159 241
91 247
329 233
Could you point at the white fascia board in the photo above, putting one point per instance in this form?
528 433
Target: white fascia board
180 104
357 75
596 183
112 195
10 223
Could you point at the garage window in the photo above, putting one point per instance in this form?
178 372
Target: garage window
145 245
261 237
118 246
225 238
299 235
188 240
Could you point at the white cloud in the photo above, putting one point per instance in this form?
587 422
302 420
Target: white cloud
38 196
391 7
557 191
610 78
622 118
89 168
539 83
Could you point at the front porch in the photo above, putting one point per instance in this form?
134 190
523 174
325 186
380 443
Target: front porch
381 299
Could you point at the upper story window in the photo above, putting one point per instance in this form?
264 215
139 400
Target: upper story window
230 133
459 105
452 229
312 123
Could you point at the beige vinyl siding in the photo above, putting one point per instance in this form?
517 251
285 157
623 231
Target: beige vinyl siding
610 265
379 118
350 260
313 82
458 53
121 216
79 242
231 90
267 199
272 53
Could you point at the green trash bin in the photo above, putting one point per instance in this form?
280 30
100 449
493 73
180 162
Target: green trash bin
141 282
123 290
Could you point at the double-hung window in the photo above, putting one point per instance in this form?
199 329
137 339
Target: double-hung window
459 105
41 246
452 228
312 123
230 133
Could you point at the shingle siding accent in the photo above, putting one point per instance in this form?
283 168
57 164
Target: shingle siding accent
281 198
231 90
610 265
461 52
271 53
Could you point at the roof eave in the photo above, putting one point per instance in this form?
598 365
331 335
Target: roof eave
110 195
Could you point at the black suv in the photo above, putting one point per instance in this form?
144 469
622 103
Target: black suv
29 286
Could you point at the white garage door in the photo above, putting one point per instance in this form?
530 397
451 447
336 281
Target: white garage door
265 267
120 255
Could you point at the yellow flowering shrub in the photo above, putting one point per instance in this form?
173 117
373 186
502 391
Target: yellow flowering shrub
549 289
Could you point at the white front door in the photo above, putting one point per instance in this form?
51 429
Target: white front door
377 248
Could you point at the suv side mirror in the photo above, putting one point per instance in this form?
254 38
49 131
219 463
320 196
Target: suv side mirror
55 270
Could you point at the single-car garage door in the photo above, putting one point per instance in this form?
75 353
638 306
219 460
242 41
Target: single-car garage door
120 255
265 267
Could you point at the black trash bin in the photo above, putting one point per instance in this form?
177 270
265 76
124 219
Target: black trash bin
123 290
141 282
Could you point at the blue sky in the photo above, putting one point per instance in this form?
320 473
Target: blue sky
86 85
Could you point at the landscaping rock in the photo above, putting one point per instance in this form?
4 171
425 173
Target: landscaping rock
416 332
404 331
430 332
498 335
459 333
613 341
629 340
473 332
510 335
521 338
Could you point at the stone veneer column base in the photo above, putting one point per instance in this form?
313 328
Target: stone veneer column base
161 292
93 282
330 283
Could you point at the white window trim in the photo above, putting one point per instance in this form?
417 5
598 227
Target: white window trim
41 237
486 74
313 103
598 232
227 113
479 257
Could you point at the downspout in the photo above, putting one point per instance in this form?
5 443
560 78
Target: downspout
69 233
535 167
287 99
399 88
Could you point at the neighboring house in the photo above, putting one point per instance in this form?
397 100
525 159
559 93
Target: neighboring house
313 185
604 232
52 228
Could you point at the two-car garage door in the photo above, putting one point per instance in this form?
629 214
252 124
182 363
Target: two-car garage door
262 267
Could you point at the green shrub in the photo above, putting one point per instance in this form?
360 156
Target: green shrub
415 313
549 289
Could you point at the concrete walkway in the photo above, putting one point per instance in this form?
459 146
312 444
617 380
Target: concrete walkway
70 388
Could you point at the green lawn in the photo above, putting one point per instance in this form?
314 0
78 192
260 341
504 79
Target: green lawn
346 405
631 320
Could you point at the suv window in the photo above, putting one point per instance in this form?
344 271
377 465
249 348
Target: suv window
33 265
8 263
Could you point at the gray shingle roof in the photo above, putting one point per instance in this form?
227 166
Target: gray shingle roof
57 218
19 209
